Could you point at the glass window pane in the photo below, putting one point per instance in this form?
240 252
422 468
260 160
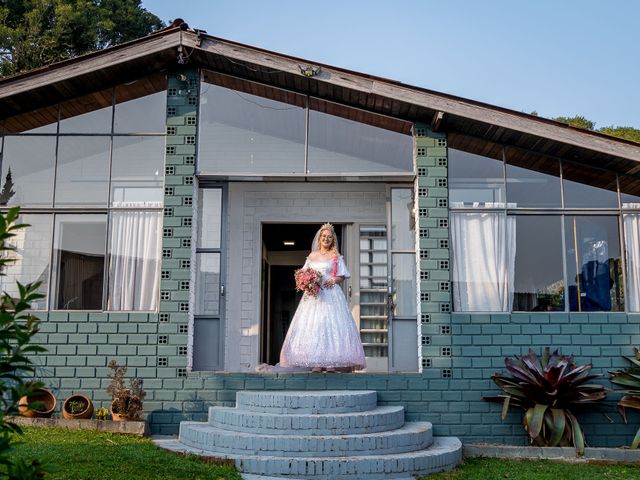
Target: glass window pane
483 255
250 128
208 284
402 221
88 114
83 171
210 208
31 162
135 244
632 246
43 120
404 284
78 262
588 187
476 173
538 283
594 265
137 171
629 191
141 106
343 139
32 255
532 180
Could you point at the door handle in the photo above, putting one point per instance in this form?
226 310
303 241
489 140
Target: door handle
349 291
222 290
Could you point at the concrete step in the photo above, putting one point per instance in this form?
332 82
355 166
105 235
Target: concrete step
325 401
410 437
444 454
380 419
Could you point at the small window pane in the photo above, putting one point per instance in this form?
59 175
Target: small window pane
345 140
137 171
89 114
594 265
532 180
476 173
250 128
208 284
32 255
629 191
83 171
586 187
632 245
31 162
404 284
538 283
141 105
210 208
402 221
78 262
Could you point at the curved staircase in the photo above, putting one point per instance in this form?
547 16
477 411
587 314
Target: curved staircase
318 435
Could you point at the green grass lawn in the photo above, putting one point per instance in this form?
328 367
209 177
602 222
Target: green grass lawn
88 455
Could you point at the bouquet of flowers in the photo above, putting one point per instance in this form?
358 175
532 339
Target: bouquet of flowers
308 281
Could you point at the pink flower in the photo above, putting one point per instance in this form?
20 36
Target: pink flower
308 281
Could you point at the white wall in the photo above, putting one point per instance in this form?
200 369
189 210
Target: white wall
251 204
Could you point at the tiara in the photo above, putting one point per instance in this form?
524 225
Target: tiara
327 225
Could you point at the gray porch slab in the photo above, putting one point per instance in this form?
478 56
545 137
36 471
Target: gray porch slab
565 454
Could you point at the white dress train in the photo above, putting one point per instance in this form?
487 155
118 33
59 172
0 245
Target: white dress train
323 332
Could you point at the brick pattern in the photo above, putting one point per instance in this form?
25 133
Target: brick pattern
433 252
175 283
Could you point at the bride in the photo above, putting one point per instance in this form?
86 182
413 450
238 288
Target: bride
323 334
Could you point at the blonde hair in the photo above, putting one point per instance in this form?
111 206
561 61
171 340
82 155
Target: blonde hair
315 246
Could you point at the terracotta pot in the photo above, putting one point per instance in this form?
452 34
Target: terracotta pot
77 397
47 407
116 417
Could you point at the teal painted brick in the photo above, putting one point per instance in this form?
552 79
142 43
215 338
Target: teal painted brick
570 329
87 349
106 349
117 338
66 349
127 328
62 372
531 329
108 328
57 338
541 340
67 328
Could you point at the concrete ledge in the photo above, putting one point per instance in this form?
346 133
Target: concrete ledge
140 429
565 454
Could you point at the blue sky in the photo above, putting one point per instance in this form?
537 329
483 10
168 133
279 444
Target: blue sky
557 57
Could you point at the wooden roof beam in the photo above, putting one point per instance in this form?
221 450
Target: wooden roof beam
436 121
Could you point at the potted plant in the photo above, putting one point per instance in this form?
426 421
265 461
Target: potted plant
548 389
102 413
77 406
629 378
126 403
41 404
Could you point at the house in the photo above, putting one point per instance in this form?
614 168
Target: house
174 183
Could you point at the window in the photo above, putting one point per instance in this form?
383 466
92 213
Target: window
96 231
554 245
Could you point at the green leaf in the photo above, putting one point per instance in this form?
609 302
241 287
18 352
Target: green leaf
636 440
505 407
535 417
577 435
558 426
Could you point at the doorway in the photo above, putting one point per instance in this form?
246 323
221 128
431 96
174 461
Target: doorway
285 247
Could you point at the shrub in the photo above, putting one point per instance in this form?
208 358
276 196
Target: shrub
125 401
629 378
548 388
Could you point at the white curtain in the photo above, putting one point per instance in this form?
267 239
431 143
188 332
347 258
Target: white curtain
134 258
484 250
632 243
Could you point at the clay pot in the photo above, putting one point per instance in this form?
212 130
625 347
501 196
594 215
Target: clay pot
87 412
48 405
116 417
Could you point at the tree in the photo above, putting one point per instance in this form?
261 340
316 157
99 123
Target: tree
7 190
17 329
577 121
627 133
34 33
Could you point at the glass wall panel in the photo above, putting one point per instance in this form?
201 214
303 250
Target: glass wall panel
41 121
594 264
402 221
629 191
404 284
208 284
31 257
89 114
250 128
532 180
137 171
30 160
586 187
476 173
210 208
344 139
141 106
78 262
631 223
538 283
83 171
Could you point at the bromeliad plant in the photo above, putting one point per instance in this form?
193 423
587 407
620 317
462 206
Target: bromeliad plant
630 379
548 388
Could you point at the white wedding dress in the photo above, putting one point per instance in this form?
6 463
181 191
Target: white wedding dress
323 332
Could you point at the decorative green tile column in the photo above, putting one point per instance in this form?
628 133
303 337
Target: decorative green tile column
182 109
433 225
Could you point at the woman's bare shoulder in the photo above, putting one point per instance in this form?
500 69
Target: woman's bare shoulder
313 256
